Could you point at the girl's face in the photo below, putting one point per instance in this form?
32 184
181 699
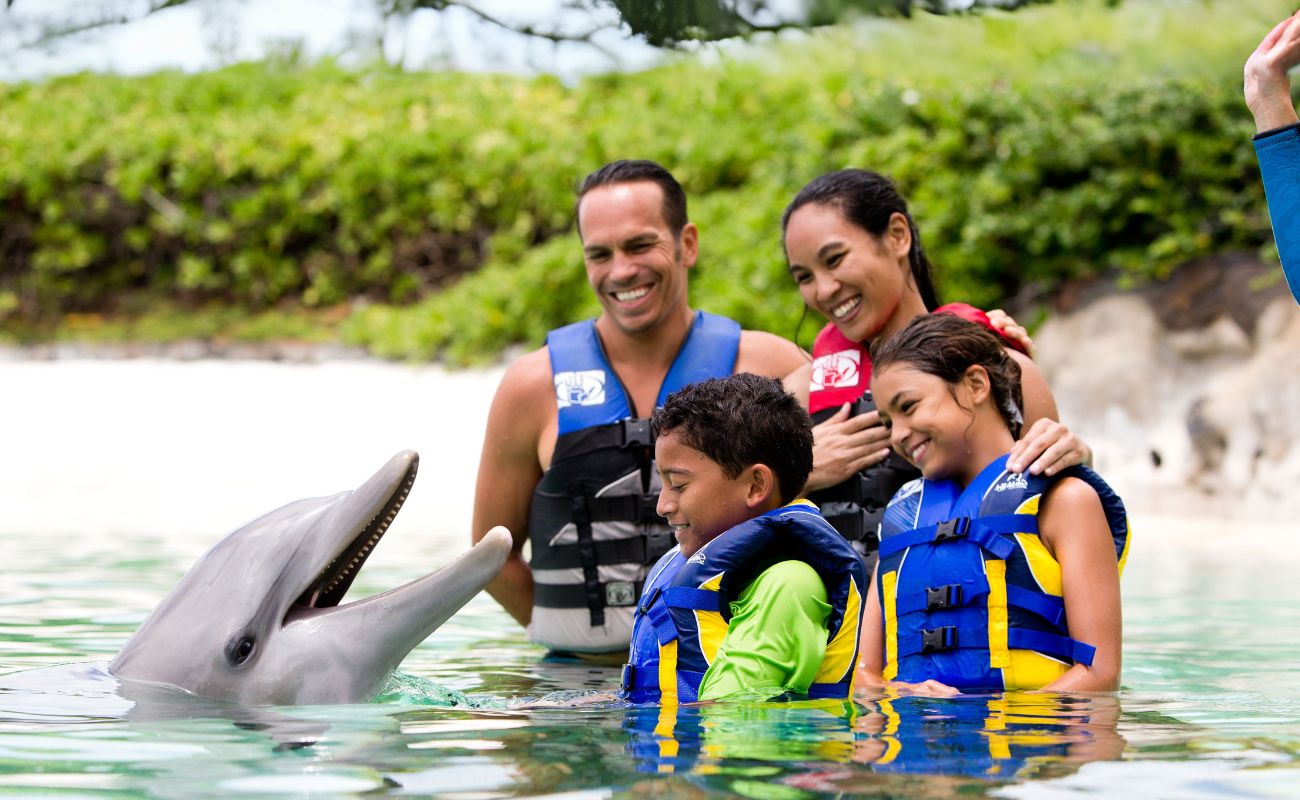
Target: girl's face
928 420
858 281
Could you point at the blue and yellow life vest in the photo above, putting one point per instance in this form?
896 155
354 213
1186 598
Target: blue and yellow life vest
686 606
970 595
592 521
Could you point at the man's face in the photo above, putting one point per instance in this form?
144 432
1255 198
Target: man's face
635 263
698 499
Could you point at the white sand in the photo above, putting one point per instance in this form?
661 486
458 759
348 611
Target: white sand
200 447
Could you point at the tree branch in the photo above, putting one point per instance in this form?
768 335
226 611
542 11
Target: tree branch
58 31
551 35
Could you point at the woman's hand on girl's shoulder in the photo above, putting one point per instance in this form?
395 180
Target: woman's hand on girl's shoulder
1046 448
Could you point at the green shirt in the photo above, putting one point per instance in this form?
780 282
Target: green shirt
777 636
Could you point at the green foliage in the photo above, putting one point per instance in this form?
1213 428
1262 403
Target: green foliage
159 320
1034 147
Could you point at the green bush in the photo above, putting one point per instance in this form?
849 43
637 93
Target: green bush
1034 147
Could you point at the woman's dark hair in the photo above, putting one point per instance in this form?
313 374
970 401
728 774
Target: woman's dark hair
867 199
946 346
741 421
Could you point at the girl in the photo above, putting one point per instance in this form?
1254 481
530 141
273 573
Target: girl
988 578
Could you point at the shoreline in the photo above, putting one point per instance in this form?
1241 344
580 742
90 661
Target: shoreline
291 352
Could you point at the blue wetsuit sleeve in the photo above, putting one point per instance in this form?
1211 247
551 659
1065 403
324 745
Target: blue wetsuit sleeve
1279 165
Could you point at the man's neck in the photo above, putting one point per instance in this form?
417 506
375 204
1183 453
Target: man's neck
642 360
647 350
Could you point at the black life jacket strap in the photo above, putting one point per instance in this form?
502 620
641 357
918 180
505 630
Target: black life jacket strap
587 560
622 435
633 550
614 594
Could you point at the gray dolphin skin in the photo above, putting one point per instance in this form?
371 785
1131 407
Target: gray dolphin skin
257 620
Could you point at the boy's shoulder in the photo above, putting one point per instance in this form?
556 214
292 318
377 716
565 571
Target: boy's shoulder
786 579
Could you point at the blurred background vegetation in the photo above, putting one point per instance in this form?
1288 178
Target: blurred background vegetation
429 215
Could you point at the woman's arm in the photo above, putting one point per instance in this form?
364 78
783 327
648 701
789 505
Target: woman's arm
1268 93
871 642
1073 526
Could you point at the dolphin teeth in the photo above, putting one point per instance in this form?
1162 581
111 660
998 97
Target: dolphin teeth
333 581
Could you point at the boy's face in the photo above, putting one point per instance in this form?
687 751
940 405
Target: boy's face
698 499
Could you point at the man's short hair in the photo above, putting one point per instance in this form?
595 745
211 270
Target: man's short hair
740 421
631 171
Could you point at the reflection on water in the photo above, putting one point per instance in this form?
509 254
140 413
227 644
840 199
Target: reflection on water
1210 708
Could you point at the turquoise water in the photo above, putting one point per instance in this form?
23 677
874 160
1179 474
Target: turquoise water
1211 705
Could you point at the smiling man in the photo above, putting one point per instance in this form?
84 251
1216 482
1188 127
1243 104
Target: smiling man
567 457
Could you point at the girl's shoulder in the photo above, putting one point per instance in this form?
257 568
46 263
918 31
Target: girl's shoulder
1066 506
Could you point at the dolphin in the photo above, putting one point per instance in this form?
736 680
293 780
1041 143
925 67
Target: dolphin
258 620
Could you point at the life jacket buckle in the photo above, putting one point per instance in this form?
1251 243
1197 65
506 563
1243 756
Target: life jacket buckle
951 529
941 597
627 678
644 608
636 433
934 640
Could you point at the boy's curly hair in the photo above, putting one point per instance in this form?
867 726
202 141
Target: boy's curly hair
740 421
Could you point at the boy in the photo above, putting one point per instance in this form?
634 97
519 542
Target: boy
760 592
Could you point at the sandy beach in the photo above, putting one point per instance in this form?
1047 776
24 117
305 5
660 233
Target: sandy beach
166 446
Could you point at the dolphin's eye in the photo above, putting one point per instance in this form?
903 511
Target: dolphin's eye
240 650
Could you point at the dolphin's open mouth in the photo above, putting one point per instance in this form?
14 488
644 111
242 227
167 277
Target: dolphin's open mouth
329 587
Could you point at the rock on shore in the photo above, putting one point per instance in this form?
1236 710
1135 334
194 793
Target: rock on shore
1188 391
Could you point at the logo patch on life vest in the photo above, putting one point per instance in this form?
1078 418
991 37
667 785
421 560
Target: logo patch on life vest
836 371
907 490
1015 481
581 388
696 558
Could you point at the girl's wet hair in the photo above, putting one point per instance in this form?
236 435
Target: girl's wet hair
867 199
946 346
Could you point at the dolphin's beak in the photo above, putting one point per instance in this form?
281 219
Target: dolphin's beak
399 619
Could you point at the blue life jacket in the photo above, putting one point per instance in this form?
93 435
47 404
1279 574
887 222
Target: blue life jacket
685 609
592 520
970 595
